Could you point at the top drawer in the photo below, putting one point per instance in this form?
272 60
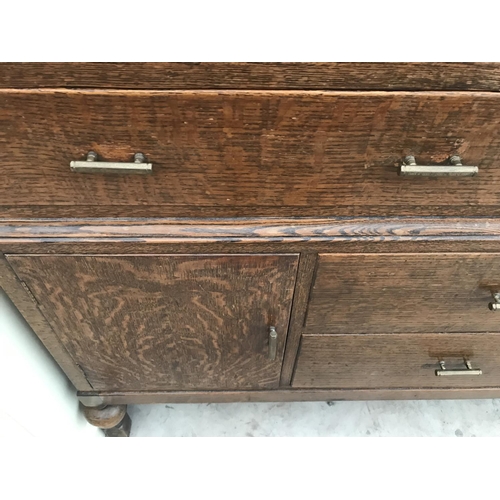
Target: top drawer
248 152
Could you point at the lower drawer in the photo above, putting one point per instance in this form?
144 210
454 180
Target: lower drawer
398 361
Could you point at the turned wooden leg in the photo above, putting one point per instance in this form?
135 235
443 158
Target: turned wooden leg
113 419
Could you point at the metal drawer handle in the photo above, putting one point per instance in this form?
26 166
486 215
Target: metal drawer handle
468 371
456 169
495 305
273 343
139 166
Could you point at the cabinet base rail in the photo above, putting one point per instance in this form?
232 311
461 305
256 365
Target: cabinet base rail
282 395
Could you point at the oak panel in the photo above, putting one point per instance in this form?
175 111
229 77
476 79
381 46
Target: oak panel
147 322
251 229
20 296
305 274
239 75
285 395
251 153
402 293
396 361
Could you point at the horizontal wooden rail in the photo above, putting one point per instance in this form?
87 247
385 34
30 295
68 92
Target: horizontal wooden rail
251 230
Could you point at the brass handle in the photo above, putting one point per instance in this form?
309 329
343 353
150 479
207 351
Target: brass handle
468 370
91 165
495 305
273 343
456 169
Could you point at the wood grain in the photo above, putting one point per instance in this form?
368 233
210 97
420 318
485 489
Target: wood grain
404 293
107 417
34 211
395 361
252 153
323 76
166 322
290 395
280 157
355 247
19 294
122 429
305 275
250 230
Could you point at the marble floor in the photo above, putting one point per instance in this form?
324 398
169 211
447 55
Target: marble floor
346 418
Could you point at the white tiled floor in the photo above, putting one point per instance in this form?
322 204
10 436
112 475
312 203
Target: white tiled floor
346 418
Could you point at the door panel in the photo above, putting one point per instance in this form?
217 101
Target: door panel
161 322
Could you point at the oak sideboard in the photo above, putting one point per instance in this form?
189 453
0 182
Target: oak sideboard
223 232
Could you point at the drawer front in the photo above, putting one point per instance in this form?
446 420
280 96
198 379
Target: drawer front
397 361
167 322
264 153
404 293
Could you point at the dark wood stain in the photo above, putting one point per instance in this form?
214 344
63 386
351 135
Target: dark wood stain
396 361
106 417
384 293
34 211
322 76
252 153
354 247
166 322
275 200
250 230
307 265
21 296
295 394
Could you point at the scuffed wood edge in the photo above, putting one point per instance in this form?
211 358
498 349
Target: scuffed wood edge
305 274
257 93
288 395
13 287
24 213
244 75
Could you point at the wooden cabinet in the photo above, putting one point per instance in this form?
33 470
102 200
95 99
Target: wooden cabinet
275 251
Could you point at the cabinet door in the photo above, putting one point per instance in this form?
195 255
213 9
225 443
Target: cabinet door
166 322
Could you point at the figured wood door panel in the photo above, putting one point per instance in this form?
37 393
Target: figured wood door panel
161 322
249 152
397 361
403 293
